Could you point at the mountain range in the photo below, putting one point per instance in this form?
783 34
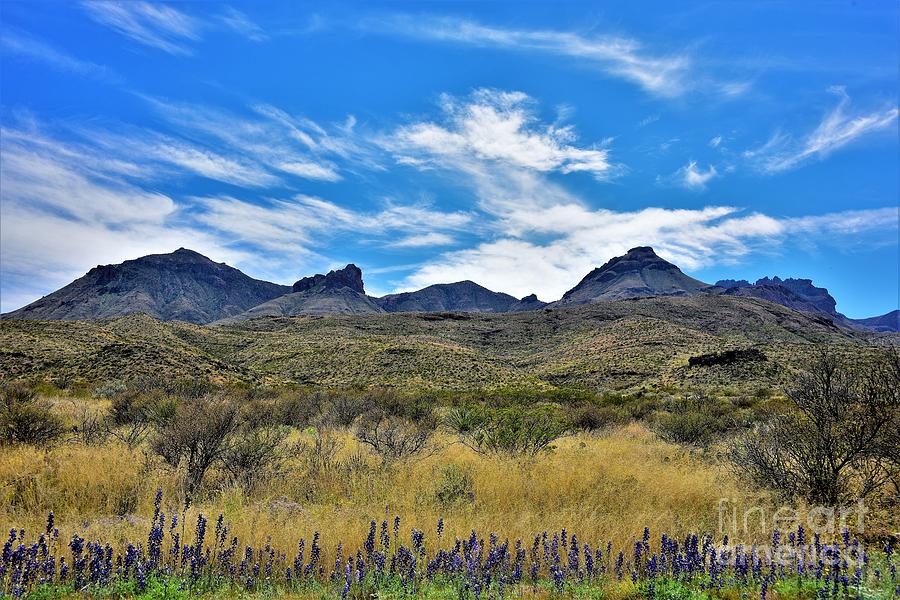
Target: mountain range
188 286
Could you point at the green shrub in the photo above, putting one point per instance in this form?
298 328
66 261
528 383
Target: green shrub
695 420
516 431
454 485
590 417
24 419
465 419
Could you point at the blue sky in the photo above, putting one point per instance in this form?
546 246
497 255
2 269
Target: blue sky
518 145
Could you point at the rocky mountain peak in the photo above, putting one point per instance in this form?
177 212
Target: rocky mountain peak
181 285
639 272
349 277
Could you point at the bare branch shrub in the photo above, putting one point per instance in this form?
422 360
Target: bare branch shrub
90 425
392 437
841 440
299 409
343 409
197 436
256 454
320 456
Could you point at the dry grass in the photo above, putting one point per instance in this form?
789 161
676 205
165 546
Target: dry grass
606 487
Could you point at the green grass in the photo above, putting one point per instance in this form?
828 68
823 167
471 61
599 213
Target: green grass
618 345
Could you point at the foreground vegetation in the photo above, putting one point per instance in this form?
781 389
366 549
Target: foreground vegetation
561 487
176 562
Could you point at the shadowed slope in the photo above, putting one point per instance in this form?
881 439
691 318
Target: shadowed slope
182 285
637 274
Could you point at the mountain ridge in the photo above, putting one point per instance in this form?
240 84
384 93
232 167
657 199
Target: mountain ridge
185 285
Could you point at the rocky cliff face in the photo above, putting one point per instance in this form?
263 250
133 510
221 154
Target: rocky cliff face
818 297
338 292
349 277
798 294
638 273
801 295
183 285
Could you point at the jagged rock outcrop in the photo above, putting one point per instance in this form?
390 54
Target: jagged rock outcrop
529 302
349 277
338 292
183 285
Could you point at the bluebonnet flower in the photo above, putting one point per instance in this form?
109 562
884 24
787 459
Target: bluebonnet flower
370 539
385 538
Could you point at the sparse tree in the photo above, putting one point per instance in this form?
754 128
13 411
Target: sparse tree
256 454
392 437
197 436
841 441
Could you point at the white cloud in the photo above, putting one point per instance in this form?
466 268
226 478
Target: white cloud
618 56
498 127
425 240
301 222
309 170
241 23
691 239
42 173
538 237
157 25
693 177
836 130
26 46
715 142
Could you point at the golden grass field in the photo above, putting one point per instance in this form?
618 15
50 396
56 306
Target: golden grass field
606 486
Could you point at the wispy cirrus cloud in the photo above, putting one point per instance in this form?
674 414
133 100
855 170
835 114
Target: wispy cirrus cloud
156 25
301 222
90 197
666 74
241 23
85 209
837 129
268 136
166 28
19 43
